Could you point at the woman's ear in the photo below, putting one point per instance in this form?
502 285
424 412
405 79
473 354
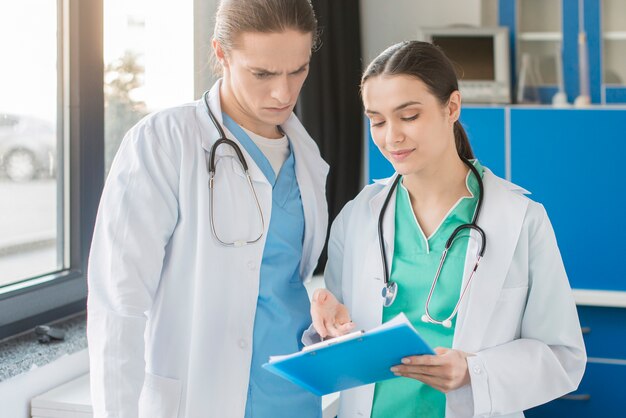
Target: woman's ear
454 106
219 52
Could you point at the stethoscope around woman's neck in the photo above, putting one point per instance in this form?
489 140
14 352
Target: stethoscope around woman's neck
390 290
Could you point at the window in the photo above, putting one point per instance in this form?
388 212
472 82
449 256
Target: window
153 55
149 62
51 152
30 242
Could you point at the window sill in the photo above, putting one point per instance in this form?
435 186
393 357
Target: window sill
23 352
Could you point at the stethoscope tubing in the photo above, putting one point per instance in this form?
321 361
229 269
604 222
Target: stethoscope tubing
211 166
381 217
390 287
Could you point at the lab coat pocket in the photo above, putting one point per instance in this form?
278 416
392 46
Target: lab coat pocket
160 397
506 322
513 293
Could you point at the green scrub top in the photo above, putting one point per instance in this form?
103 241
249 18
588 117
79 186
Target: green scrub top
415 262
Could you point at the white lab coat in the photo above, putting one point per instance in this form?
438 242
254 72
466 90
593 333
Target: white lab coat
170 311
519 317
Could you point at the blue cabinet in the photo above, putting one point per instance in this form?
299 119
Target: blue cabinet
601 392
486 130
605 40
603 330
377 164
573 162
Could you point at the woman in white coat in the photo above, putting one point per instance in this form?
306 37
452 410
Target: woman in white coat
179 323
515 341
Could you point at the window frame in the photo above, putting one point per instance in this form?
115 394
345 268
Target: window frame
80 130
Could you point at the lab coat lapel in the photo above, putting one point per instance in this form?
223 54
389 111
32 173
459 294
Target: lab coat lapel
224 151
367 306
500 207
372 298
389 219
311 172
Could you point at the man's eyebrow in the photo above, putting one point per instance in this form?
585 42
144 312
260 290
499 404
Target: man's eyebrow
302 67
263 70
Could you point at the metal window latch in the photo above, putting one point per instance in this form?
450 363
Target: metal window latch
577 397
46 333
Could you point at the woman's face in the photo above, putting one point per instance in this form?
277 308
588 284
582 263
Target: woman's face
263 75
409 125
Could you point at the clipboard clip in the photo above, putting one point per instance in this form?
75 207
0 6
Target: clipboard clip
333 341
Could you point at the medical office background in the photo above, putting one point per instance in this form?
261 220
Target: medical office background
63 114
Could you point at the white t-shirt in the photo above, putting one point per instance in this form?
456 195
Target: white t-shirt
275 150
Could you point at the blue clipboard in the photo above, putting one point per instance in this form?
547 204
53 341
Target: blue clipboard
352 360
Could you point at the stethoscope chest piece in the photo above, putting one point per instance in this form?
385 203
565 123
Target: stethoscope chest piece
389 293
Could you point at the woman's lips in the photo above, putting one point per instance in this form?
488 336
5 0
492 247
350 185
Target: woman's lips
401 154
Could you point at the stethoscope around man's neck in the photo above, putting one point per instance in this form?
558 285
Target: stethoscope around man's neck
390 290
211 168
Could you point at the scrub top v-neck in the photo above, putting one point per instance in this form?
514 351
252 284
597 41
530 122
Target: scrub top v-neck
283 307
415 262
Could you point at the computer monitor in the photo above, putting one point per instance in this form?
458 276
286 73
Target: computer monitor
481 58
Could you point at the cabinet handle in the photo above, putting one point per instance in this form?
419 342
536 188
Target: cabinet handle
585 330
581 397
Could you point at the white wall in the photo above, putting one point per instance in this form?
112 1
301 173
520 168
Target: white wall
16 392
384 23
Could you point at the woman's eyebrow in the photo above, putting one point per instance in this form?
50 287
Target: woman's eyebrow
406 104
400 107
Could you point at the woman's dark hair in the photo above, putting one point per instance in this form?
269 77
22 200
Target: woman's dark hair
235 17
428 63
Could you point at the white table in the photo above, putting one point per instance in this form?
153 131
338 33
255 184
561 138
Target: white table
73 400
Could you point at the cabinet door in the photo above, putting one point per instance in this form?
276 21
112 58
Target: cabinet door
573 162
612 15
485 127
600 394
547 30
604 331
377 164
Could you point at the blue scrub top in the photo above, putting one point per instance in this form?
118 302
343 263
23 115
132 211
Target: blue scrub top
283 307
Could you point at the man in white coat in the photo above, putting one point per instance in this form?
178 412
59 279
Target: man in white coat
178 323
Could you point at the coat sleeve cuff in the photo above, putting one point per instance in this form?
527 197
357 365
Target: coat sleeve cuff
480 386
310 336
